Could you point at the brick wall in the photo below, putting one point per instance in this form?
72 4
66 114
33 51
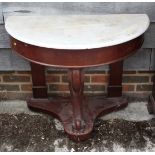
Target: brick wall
18 85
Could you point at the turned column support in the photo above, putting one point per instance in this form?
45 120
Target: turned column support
76 86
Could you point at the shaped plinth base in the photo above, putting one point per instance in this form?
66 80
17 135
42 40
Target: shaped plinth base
92 107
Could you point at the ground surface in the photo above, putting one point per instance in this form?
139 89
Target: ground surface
131 129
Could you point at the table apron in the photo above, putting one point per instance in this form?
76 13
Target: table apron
76 58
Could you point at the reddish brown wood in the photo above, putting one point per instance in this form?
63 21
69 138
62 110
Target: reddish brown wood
151 102
115 79
76 85
76 58
77 113
92 107
38 80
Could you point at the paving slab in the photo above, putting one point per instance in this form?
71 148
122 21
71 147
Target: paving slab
131 129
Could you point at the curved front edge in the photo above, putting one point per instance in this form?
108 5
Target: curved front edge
76 58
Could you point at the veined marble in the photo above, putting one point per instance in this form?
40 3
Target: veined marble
77 31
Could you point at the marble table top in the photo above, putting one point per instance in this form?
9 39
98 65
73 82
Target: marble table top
77 31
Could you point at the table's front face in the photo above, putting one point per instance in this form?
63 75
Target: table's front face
76 58
77 31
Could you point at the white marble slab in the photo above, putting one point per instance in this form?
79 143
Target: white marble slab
77 31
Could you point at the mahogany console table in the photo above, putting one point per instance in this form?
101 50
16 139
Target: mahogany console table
76 42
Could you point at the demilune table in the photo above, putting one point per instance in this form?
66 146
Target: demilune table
76 42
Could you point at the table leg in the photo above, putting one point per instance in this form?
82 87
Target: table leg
38 80
76 86
151 102
115 79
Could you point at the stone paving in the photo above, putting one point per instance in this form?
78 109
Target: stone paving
131 129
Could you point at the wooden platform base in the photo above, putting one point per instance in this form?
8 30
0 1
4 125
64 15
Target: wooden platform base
92 107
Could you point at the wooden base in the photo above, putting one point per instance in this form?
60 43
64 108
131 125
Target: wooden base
151 105
92 107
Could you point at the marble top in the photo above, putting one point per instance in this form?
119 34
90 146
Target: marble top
77 31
